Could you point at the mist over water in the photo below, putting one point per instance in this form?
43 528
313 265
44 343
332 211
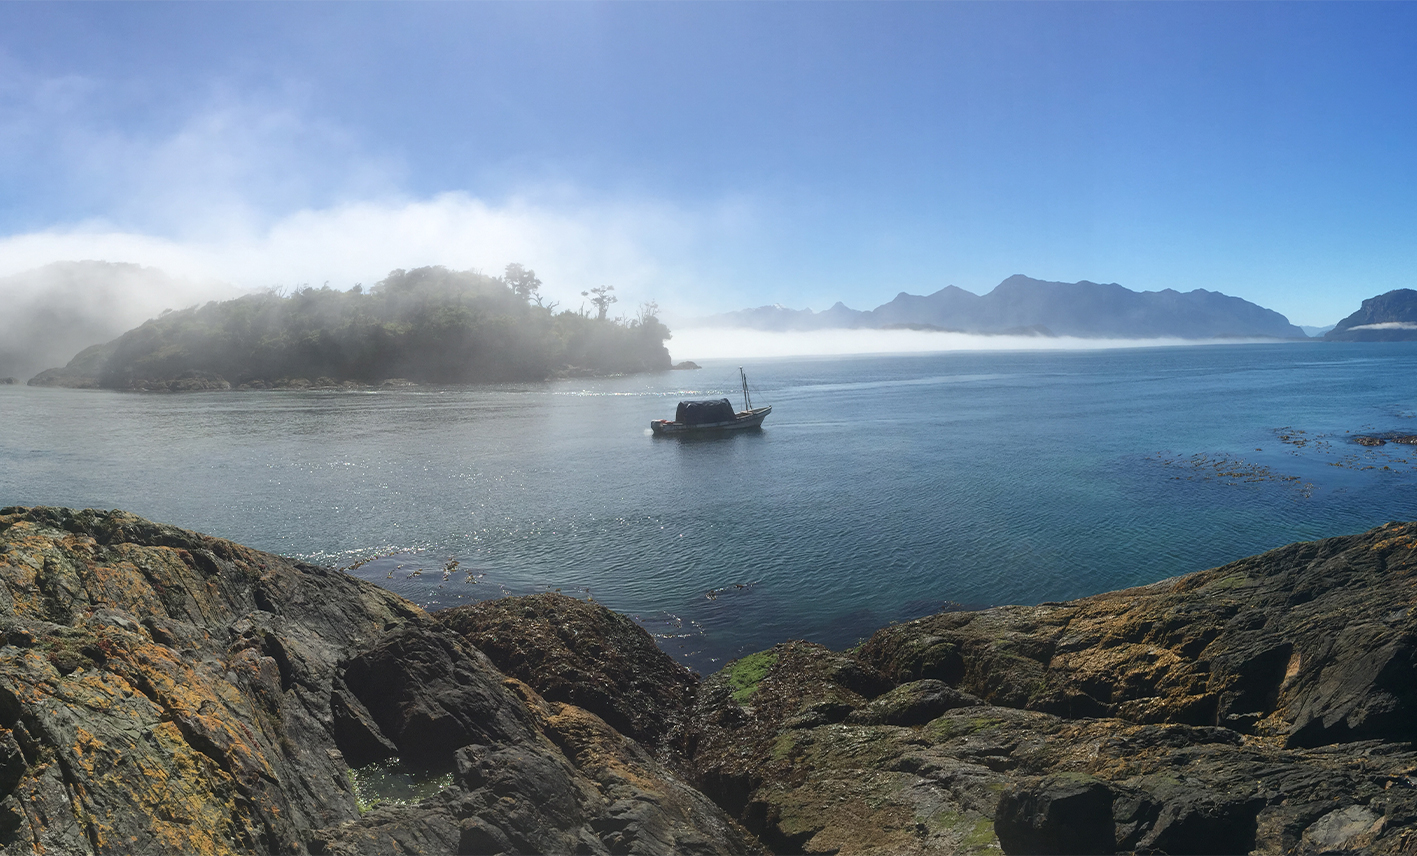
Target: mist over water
53 312
879 489
737 343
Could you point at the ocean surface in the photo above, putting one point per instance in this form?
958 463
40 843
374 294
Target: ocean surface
881 487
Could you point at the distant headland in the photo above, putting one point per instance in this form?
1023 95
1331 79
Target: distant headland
1389 317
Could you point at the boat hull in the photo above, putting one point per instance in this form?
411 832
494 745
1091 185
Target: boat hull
742 420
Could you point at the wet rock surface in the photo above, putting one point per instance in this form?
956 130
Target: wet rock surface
167 692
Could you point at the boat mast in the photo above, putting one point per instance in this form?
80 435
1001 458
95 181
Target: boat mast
747 402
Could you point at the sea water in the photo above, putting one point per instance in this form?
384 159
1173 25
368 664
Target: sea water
881 487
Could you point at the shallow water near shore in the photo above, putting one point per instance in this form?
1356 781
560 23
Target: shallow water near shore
880 488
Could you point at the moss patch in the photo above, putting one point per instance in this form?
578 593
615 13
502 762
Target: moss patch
745 674
1233 581
981 837
784 744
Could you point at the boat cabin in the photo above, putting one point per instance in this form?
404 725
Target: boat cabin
704 412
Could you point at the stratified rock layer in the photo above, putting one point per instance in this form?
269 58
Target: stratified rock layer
167 692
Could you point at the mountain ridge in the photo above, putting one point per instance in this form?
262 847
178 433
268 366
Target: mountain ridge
1083 309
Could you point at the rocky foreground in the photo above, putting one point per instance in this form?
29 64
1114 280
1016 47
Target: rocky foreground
168 692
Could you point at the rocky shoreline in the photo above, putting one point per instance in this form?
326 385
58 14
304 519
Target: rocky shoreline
163 691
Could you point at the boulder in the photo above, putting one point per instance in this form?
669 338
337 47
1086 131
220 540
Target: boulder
913 703
581 653
1059 814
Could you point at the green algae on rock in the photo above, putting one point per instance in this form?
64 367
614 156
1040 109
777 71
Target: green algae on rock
746 673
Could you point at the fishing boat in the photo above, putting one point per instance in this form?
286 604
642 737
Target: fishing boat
715 415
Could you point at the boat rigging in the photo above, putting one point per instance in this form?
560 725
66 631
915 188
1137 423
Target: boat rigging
713 416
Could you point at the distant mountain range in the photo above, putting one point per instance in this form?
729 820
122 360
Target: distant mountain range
1022 305
1390 317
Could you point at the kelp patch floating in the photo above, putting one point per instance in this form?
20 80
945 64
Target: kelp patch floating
1224 469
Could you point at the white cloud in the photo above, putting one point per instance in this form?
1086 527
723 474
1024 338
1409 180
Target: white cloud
571 248
253 190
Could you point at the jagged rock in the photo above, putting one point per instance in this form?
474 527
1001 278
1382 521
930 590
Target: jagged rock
187 381
1315 641
577 787
167 692
431 695
1265 706
582 653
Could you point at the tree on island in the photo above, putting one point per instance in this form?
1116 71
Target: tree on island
602 299
523 283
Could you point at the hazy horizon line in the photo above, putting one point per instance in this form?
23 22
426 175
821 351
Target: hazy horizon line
694 343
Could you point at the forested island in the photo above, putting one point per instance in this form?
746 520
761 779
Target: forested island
427 325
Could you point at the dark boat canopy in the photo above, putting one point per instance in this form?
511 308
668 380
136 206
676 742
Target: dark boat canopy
704 412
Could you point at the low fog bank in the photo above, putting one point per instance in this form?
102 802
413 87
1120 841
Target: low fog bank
49 314
735 342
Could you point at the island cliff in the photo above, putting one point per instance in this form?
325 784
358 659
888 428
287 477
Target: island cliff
163 691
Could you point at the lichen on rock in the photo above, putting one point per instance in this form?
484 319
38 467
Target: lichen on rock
163 691
1265 706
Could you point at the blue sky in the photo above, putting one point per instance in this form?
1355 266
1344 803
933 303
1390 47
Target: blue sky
713 156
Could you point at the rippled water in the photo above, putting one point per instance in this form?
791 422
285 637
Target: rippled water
879 489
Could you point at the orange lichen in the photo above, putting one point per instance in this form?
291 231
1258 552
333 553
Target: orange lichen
592 744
